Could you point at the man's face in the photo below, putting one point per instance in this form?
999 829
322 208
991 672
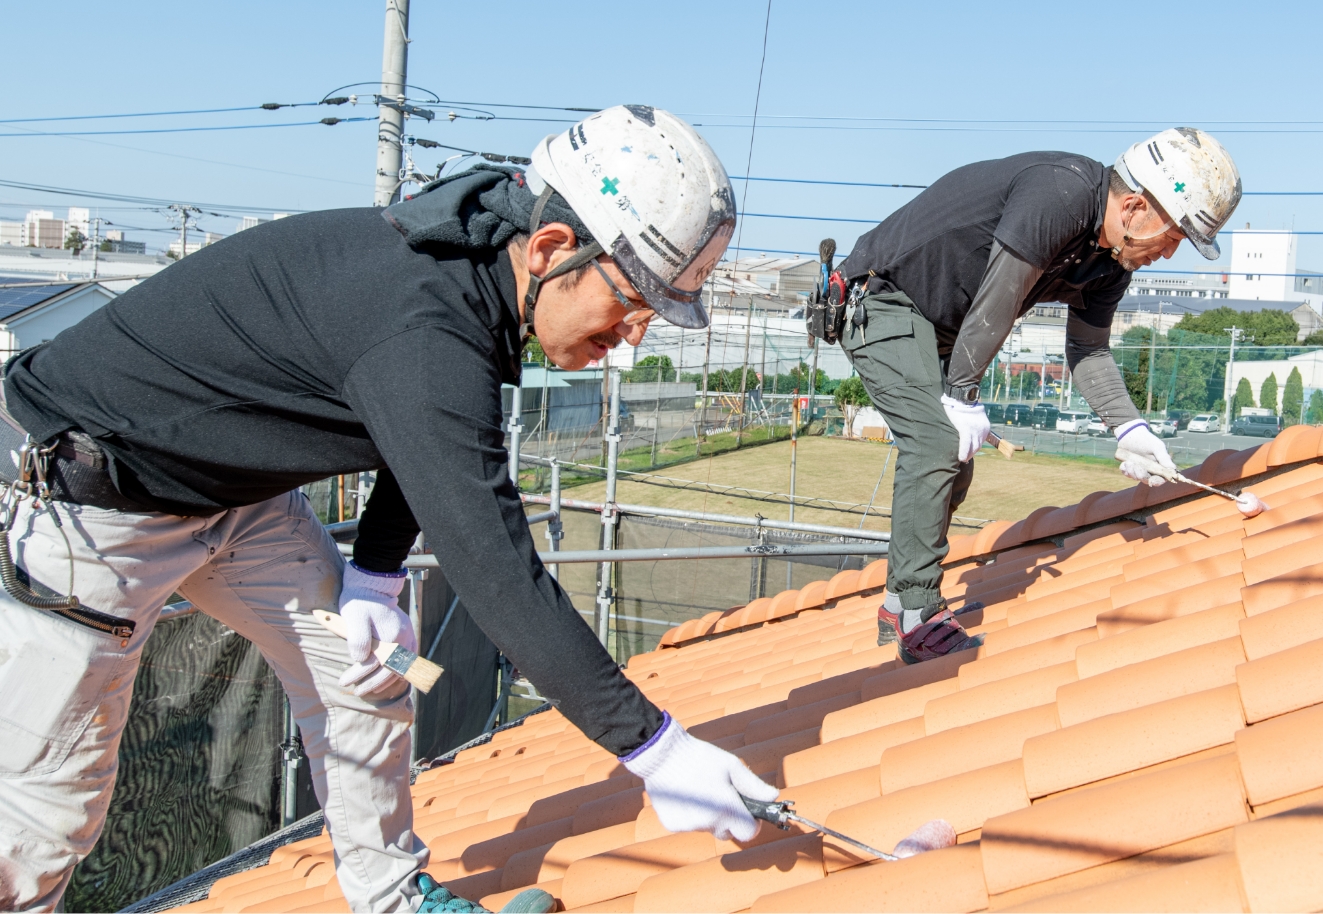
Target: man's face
1146 232
578 321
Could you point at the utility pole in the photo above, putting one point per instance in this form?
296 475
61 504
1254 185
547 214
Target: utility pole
185 213
1231 361
1152 356
390 118
96 245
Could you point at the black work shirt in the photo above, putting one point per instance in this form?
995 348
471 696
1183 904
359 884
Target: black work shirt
1045 207
324 344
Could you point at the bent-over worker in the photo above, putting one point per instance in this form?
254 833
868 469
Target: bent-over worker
941 281
177 423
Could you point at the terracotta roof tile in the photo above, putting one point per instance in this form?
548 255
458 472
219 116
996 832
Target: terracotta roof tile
1270 632
733 882
1093 827
1117 743
997 698
1181 673
1207 884
964 749
1039 629
847 753
1093 754
966 801
1177 602
1281 860
1035 656
944 880
1282 756
1147 642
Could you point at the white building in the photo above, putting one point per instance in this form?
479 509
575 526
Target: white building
12 233
79 218
32 315
116 271
1310 365
1200 285
42 230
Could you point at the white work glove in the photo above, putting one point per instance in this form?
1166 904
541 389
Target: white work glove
696 786
1137 438
971 424
369 609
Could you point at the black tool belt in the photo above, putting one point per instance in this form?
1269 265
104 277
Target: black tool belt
79 471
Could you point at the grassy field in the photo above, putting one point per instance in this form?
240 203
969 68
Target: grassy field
847 471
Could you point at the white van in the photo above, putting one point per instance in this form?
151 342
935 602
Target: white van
1072 421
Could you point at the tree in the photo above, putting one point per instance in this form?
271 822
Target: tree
1293 398
850 397
652 368
1268 327
1314 339
799 379
75 241
533 351
1244 397
1268 393
1315 414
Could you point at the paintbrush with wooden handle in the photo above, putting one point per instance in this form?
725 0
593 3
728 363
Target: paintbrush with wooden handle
421 673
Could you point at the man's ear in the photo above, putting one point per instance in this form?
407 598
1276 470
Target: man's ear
548 246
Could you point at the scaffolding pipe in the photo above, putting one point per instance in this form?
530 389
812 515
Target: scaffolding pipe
555 530
651 511
516 428
605 597
610 556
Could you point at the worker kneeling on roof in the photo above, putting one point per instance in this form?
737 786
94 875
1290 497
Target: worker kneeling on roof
931 294
175 425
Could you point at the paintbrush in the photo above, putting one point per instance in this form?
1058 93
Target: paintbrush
1007 448
422 674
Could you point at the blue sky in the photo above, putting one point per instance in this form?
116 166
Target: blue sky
1095 78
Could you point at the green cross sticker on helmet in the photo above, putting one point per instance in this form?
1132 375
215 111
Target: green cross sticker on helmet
1203 180
655 197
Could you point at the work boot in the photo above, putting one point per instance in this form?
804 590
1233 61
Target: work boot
888 617
437 897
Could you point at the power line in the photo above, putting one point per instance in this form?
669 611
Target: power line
327 121
99 117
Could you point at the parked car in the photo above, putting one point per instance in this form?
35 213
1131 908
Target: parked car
1096 427
1019 414
1045 416
1262 426
1072 421
1182 417
996 413
1205 422
1166 428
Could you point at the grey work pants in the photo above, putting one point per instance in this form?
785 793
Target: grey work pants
65 688
895 353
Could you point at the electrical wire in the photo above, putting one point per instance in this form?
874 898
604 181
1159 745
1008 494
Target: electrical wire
328 121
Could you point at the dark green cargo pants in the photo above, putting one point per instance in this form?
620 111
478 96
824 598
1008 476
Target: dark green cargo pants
895 353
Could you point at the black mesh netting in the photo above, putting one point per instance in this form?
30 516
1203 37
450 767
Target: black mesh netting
654 596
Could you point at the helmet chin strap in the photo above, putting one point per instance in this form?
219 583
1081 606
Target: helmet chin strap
580 257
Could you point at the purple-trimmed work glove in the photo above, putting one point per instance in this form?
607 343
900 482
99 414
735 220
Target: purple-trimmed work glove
1137 438
696 786
369 609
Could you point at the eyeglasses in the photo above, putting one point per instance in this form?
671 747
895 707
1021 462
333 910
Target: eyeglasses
634 312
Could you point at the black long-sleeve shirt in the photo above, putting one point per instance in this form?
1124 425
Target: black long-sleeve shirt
324 344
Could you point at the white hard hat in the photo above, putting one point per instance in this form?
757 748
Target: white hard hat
1191 176
655 197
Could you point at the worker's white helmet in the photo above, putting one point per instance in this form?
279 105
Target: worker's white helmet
655 197
1191 176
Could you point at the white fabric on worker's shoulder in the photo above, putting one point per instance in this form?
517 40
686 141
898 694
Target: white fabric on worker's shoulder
1137 438
369 607
696 786
971 424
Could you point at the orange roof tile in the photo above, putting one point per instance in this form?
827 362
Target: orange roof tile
1142 729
